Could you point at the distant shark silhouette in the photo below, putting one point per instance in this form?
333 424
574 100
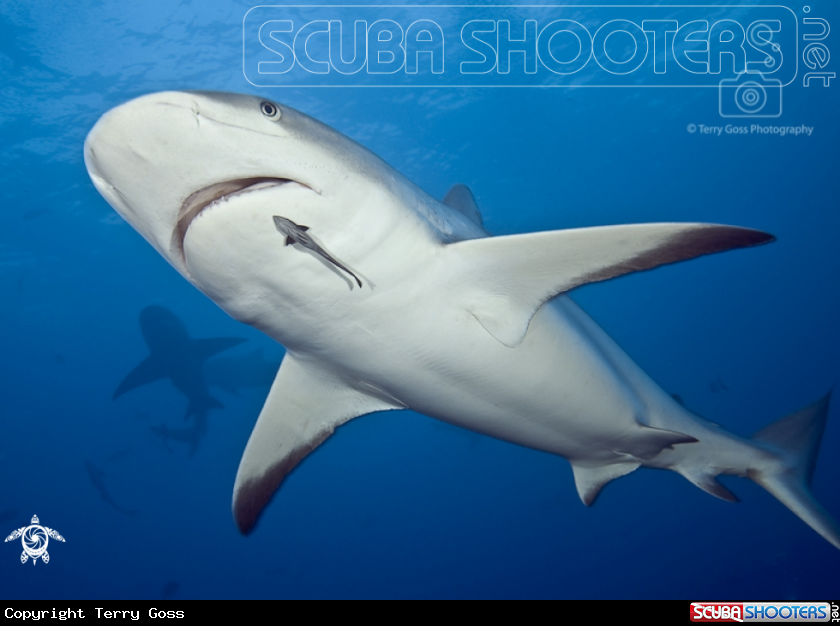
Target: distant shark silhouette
718 385
191 435
169 590
97 478
233 373
175 356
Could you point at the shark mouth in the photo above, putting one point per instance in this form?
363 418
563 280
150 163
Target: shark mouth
203 198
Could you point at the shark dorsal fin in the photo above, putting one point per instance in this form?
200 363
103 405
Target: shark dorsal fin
460 198
508 278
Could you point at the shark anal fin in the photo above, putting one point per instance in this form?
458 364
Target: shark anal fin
305 405
148 371
710 485
506 279
460 198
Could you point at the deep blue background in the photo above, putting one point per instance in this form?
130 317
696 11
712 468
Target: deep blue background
398 505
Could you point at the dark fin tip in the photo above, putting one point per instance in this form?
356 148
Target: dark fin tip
254 495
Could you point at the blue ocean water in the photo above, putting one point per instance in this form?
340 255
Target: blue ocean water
397 504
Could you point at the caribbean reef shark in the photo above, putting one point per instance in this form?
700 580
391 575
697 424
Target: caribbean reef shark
97 479
173 355
470 329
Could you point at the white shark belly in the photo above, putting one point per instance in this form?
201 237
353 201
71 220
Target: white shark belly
553 392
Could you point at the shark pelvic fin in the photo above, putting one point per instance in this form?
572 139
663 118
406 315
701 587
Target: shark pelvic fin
460 198
506 279
649 441
305 405
590 480
645 444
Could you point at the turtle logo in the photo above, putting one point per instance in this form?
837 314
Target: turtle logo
34 539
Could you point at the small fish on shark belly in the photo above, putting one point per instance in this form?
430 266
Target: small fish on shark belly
440 296
297 234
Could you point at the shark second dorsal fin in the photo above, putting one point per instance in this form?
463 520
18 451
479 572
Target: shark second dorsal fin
305 405
460 198
506 279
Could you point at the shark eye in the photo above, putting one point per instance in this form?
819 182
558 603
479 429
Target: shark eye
270 110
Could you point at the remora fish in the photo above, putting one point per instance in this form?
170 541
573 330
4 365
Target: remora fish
297 234
458 325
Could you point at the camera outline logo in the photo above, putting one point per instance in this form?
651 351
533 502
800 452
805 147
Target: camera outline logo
750 95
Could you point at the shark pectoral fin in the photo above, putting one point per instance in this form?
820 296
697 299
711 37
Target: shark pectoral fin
506 279
205 348
148 371
305 405
460 198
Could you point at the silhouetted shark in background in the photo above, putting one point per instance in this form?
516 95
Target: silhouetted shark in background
191 434
97 479
175 356
233 373
169 590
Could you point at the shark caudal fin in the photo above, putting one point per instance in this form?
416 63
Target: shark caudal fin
797 439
